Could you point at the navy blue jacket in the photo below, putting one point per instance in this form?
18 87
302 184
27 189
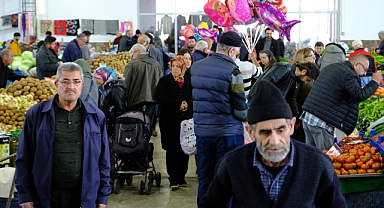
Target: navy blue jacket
198 55
214 103
34 156
72 52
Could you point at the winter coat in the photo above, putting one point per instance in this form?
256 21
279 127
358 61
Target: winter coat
113 102
90 91
72 52
125 44
283 76
198 55
7 74
274 48
34 156
46 63
217 109
141 77
334 53
157 54
170 96
85 53
336 94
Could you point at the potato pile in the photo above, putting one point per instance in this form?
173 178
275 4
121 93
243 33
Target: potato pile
17 98
117 61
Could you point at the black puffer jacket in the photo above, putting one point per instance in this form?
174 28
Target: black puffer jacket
335 96
113 102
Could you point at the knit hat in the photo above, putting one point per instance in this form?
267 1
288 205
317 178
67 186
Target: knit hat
267 103
231 39
357 43
49 39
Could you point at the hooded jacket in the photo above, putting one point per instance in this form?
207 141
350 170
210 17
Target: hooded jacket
334 53
90 91
141 77
46 63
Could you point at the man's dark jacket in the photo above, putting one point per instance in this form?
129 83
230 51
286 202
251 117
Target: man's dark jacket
125 44
283 76
336 94
274 48
46 63
7 74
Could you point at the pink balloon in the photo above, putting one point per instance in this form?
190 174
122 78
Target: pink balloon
239 9
275 19
218 13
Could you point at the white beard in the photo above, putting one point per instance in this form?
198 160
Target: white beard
273 156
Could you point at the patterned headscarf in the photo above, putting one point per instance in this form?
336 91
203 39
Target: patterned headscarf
183 65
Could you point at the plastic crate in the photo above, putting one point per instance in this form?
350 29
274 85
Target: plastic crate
369 199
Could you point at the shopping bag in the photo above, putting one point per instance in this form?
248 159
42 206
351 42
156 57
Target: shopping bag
187 137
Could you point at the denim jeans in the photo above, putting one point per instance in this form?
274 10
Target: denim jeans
209 151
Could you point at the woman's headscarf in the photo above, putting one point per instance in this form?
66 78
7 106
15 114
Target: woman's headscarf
105 73
85 66
183 65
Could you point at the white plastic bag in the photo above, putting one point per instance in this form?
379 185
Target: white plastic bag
187 137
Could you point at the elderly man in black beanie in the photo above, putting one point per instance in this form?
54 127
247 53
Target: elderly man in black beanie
219 107
47 61
273 171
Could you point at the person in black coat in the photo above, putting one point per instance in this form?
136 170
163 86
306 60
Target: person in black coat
268 43
6 58
174 94
47 60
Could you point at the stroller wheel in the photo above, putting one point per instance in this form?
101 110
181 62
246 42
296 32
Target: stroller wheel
116 186
128 180
150 176
158 179
148 187
140 187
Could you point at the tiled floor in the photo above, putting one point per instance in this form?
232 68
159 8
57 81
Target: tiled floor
161 197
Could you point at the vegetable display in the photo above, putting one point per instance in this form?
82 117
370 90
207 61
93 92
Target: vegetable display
370 111
117 61
357 158
379 59
23 62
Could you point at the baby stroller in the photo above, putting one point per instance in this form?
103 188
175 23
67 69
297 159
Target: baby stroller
134 152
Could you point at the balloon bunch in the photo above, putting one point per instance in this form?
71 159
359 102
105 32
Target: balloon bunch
202 31
245 12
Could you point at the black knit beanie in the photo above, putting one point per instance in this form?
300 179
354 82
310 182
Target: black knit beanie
267 103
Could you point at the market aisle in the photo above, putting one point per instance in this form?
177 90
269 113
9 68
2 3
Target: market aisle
161 197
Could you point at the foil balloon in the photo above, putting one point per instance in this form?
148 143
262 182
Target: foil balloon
276 3
218 13
189 30
197 36
203 25
275 19
239 10
207 33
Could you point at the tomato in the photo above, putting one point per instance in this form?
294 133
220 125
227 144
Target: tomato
361 171
367 149
358 164
365 158
373 152
374 148
339 159
361 152
332 157
344 172
376 166
379 171
364 166
367 154
350 159
370 162
382 165
337 172
352 171
371 171
375 158
353 165
336 165
348 166
353 151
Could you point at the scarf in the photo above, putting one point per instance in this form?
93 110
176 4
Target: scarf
183 65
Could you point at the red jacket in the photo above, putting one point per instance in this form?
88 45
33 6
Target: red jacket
359 51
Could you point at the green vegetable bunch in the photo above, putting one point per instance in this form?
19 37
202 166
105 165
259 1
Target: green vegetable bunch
370 111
